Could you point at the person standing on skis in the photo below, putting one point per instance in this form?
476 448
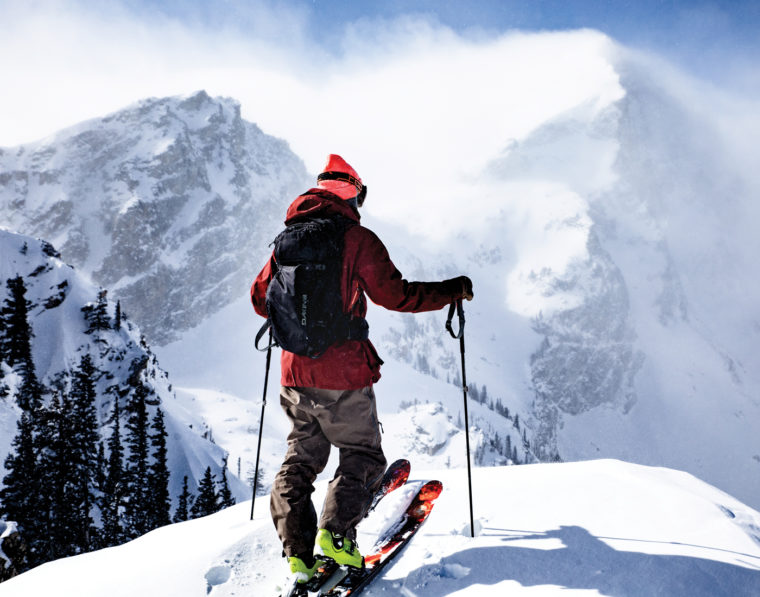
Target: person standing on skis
329 398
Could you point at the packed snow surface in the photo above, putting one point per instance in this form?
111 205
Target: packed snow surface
593 528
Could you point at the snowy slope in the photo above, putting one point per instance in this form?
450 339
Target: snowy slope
592 528
57 293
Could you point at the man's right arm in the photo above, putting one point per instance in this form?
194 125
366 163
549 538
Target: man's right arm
259 287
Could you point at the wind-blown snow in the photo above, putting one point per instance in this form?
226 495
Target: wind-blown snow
601 527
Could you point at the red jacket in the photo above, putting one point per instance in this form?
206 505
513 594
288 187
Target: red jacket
367 268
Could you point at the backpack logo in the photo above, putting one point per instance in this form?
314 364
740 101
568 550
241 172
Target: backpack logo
304 303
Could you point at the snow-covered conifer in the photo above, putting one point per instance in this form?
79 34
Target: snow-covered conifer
225 495
96 314
137 496
207 500
111 500
20 494
83 449
158 474
184 503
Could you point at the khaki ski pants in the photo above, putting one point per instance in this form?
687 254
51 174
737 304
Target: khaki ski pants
321 419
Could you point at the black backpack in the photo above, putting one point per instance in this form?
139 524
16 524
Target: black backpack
303 298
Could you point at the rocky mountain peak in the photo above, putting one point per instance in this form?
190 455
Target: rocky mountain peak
169 202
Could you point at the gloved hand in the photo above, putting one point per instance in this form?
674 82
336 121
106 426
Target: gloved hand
460 287
466 288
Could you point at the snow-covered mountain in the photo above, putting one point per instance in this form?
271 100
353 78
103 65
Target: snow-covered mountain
612 249
62 335
166 203
609 231
599 527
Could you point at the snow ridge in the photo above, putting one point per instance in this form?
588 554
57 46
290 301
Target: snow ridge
599 527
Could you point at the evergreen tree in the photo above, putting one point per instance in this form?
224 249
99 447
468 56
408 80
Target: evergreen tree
497 445
83 450
57 474
17 332
17 345
100 467
96 314
158 474
20 496
207 500
2 340
225 495
111 501
30 391
137 496
117 317
138 517
184 503
260 487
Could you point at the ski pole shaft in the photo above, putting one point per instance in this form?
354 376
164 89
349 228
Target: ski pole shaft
261 424
460 335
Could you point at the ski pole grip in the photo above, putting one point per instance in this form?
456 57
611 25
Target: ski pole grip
460 312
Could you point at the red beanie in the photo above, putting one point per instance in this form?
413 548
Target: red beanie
345 188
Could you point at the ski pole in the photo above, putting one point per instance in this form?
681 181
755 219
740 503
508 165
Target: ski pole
460 335
261 423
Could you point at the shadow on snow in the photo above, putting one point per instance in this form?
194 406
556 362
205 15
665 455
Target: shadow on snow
585 562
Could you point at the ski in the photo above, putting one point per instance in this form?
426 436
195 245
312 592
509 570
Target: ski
396 476
390 544
329 575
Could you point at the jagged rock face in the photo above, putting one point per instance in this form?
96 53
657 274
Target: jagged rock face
588 356
169 203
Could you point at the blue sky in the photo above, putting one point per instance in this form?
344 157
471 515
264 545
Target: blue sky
711 39
94 58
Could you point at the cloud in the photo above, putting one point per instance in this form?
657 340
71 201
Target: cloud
422 112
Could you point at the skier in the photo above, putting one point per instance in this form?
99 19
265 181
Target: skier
329 399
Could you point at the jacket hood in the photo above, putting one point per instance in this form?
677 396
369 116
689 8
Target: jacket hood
318 202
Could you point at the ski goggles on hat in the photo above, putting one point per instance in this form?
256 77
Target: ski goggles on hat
342 176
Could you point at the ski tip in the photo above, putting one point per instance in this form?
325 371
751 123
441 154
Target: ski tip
402 464
430 491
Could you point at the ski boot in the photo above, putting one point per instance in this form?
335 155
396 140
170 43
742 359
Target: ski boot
337 548
300 569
